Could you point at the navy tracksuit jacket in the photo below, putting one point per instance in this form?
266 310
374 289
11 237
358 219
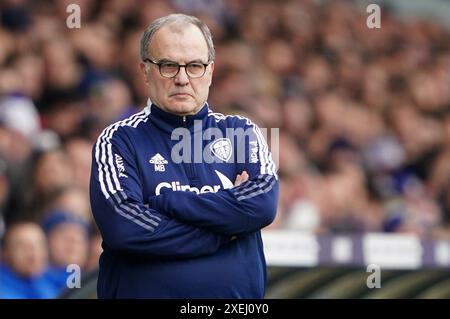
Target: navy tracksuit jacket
176 229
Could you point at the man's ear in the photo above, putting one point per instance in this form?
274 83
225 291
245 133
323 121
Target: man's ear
143 68
211 72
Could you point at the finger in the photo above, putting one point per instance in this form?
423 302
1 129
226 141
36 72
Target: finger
237 182
241 178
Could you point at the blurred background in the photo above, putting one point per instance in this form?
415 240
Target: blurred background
364 119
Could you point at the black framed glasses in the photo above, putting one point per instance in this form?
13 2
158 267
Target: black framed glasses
169 69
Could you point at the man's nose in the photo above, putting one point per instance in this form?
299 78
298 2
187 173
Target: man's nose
182 78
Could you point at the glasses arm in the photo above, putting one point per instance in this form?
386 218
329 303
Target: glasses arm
151 61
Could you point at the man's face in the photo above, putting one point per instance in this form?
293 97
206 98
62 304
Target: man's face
68 244
181 94
26 250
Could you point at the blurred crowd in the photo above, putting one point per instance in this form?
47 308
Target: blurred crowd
364 117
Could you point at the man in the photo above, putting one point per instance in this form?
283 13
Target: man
176 228
68 244
22 274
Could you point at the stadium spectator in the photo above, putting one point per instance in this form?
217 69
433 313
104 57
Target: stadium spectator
68 244
24 262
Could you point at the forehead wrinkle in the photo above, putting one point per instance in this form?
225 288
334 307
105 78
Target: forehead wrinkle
175 46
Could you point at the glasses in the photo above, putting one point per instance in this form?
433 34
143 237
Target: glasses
169 69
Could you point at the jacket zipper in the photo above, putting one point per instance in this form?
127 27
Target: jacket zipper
190 166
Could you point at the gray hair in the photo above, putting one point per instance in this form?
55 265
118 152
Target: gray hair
172 18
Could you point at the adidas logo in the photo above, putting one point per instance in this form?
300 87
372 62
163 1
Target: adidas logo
159 162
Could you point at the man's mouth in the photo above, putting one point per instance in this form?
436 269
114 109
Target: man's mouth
181 96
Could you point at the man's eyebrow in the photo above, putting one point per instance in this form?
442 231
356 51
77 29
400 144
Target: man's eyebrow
164 60
196 61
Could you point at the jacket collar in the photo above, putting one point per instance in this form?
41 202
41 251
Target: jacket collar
168 122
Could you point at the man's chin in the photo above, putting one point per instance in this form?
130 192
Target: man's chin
183 108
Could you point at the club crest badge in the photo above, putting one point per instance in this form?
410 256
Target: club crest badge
222 149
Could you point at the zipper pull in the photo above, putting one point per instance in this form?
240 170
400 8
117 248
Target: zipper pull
184 120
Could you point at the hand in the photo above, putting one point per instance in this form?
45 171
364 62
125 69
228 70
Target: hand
241 178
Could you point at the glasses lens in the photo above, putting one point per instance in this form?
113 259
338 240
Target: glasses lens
168 69
195 70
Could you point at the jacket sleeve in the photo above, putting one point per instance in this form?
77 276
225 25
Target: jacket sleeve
126 224
235 211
